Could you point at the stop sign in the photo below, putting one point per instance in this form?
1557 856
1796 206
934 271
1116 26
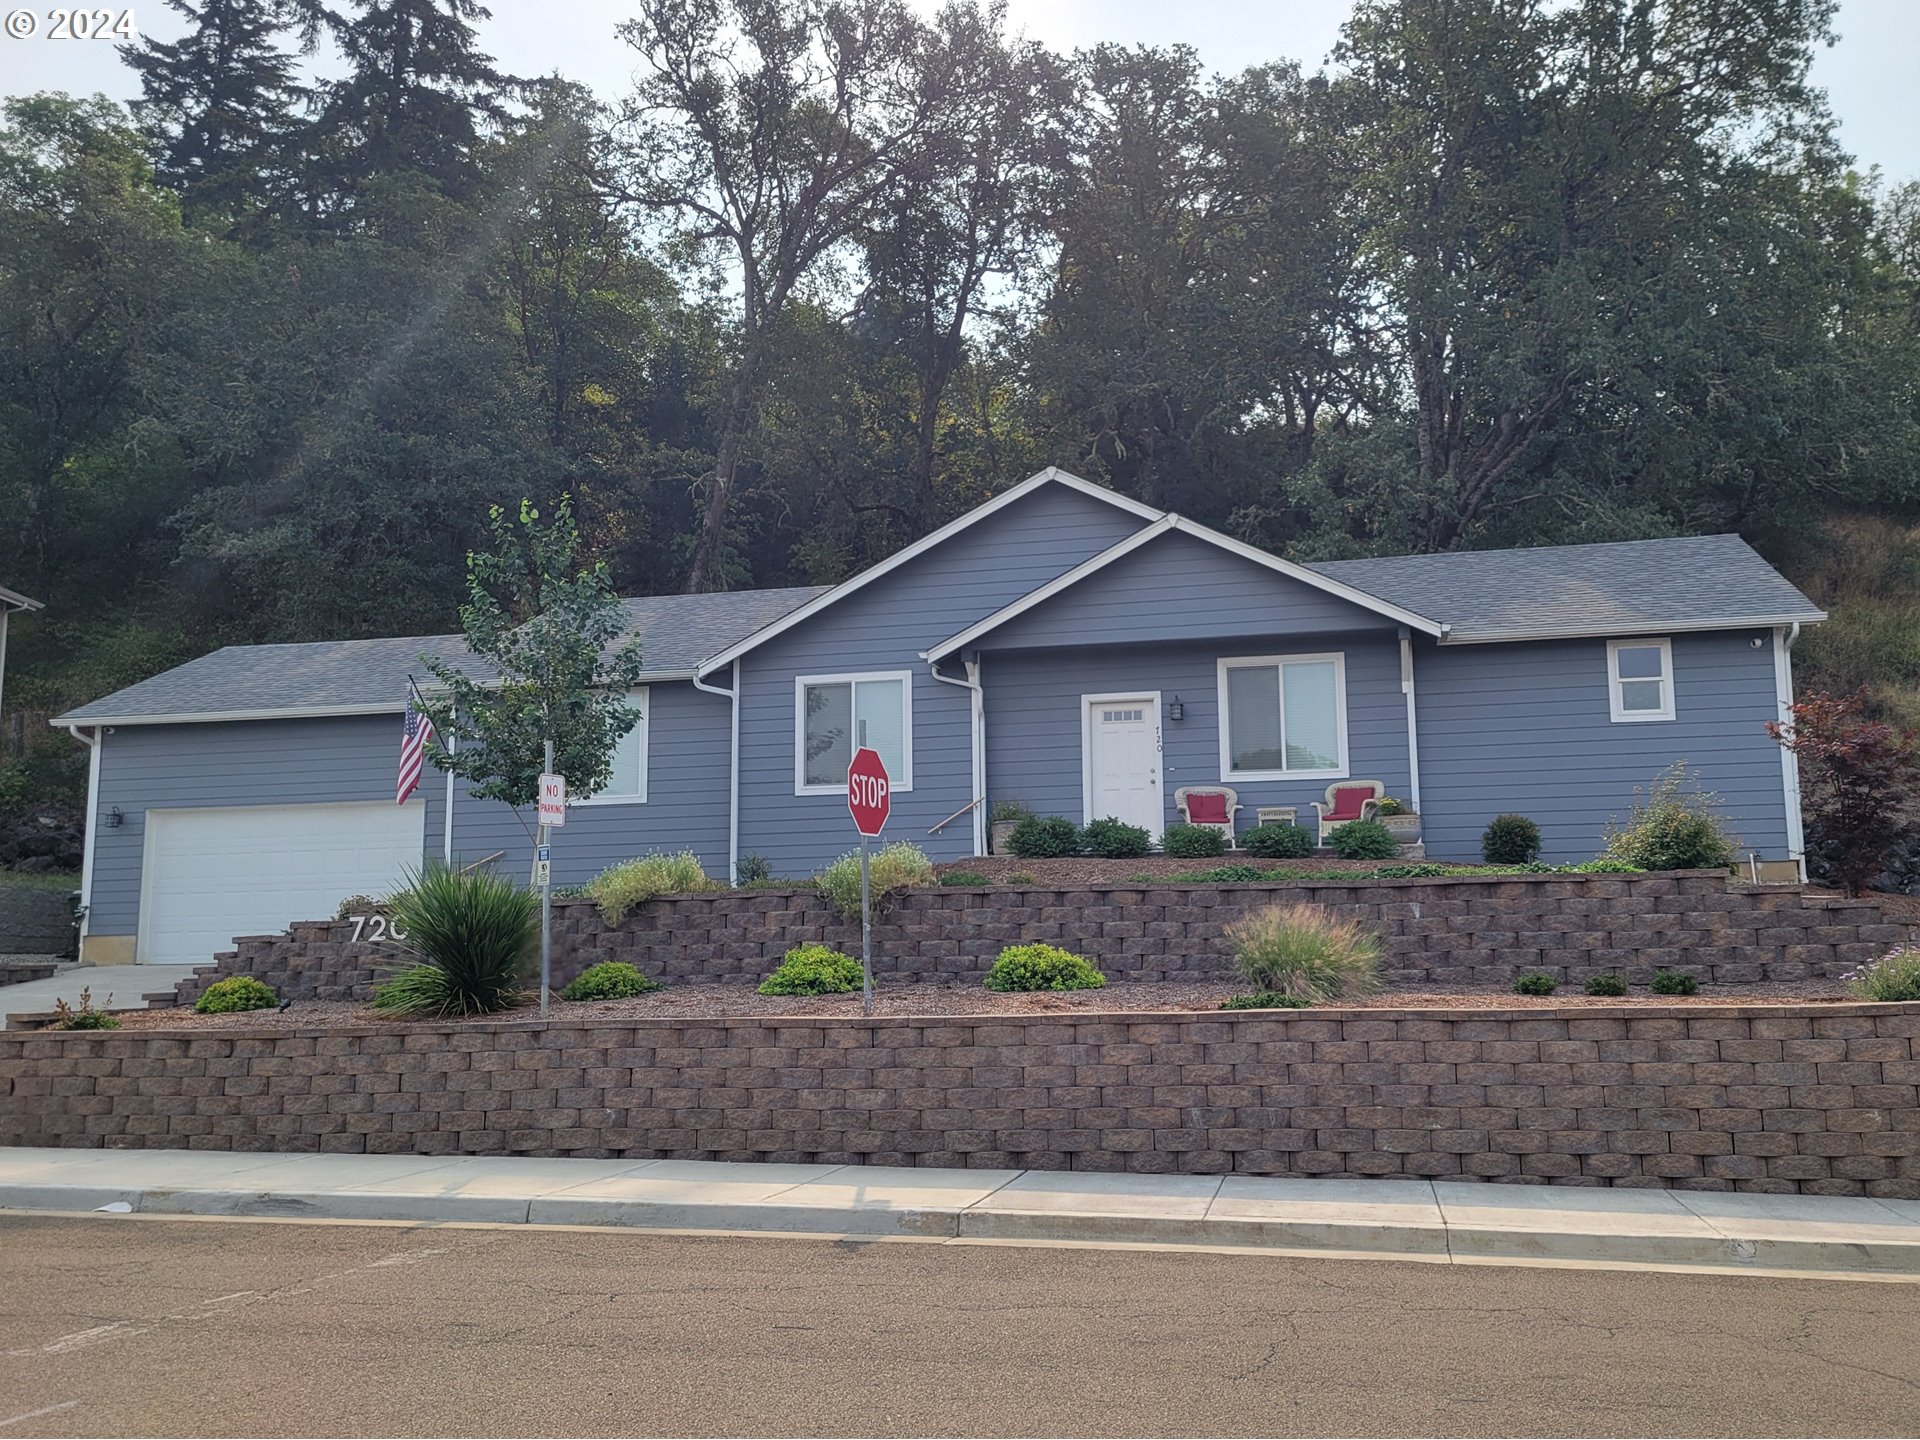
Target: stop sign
869 792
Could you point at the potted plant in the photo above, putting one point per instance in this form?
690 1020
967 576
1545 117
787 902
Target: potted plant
1401 822
1001 819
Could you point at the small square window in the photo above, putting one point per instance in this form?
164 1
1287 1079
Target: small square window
1640 680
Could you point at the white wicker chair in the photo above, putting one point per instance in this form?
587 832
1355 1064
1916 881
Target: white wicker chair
1226 793
1331 814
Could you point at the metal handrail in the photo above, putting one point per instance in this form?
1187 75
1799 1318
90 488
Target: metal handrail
955 816
469 869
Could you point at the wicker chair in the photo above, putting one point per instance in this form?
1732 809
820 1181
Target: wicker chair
1347 801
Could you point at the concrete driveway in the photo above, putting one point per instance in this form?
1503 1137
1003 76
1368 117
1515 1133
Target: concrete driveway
127 984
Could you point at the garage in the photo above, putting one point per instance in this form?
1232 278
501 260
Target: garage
209 875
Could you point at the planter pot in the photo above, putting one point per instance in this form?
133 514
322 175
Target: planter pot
998 834
1405 829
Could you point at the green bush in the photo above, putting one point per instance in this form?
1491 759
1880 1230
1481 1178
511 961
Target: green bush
1602 866
1614 985
1535 982
1278 840
66 1017
1044 837
964 877
1112 839
621 888
896 867
1194 842
1672 982
1305 951
609 980
470 936
1042 967
1894 976
1363 840
752 870
1422 869
1022 877
1229 875
1265 1000
1510 840
236 992
1675 826
813 970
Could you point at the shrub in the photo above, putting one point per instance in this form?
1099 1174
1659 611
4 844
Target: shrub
1304 951
1022 877
752 870
1857 780
355 905
236 992
1672 982
1675 827
891 869
66 1017
609 980
1194 842
813 970
1363 840
964 877
1278 840
1894 976
1510 840
1421 870
620 888
1265 1000
1229 875
1044 837
1112 839
469 935
1535 982
1605 865
1605 985
1042 967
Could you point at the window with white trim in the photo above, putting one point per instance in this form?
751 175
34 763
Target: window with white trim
1283 717
628 783
829 713
1640 679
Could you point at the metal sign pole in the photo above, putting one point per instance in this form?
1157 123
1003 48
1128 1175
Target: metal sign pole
546 908
866 935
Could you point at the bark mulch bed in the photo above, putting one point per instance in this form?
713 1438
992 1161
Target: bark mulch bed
1082 870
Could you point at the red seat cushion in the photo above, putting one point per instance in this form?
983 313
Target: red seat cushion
1347 801
1207 809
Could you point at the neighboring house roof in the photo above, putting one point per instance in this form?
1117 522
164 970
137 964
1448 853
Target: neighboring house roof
369 677
14 600
1701 582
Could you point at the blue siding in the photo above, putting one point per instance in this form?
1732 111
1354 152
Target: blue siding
1034 719
1526 728
885 627
1176 587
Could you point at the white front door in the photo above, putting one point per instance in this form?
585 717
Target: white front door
1122 750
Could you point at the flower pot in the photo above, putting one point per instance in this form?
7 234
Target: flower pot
1405 829
998 834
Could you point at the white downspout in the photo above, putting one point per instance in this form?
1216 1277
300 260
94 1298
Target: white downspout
453 742
733 769
977 727
1413 725
5 610
93 826
1783 639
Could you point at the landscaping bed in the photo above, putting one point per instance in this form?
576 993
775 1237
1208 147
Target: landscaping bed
1081 870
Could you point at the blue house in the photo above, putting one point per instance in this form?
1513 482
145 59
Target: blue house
1061 645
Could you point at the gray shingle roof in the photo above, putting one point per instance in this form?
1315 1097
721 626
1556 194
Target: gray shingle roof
676 632
1635 586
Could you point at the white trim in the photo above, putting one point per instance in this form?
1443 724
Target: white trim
813 607
4 612
1198 531
91 832
1413 722
901 783
1677 627
733 769
1619 713
446 844
1783 639
1228 775
644 695
1150 699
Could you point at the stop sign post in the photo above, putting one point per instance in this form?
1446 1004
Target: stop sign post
869 801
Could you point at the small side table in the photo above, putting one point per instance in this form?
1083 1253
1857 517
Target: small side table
1276 814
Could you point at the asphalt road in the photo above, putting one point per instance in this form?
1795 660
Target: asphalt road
115 1326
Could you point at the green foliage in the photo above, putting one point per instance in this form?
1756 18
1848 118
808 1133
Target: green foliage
1674 982
1675 827
1604 865
1363 840
619 889
1894 976
1229 875
1042 967
1387 805
1858 780
1194 842
1265 1000
896 867
1022 877
752 870
609 980
813 970
1614 985
85 1016
1278 840
1111 839
1510 840
236 992
1009 810
1047 837
1305 951
470 934
1535 982
964 877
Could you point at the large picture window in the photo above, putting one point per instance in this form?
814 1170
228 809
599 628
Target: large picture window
1283 717
628 784
1640 679
829 713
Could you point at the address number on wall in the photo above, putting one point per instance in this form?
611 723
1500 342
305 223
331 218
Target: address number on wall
374 928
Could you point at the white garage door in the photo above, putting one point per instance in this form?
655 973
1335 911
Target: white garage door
210 875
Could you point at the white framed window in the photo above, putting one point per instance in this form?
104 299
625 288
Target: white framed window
628 785
828 713
1640 680
1283 717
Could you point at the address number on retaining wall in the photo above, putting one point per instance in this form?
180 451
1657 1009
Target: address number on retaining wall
374 928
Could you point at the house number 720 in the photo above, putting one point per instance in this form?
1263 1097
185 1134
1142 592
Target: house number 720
375 928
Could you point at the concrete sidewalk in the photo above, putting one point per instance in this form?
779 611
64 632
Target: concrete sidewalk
1461 1223
127 984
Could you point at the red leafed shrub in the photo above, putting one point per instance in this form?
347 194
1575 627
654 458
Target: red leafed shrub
1859 779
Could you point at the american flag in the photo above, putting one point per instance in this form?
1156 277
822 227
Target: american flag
413 747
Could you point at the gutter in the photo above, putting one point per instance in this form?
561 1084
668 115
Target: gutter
92 830
977 727
1640 627
733 768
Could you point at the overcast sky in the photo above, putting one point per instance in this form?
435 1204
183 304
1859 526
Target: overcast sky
1868 75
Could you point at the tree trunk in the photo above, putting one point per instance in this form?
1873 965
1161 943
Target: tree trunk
704 573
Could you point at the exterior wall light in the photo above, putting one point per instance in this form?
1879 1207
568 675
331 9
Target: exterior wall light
1175 710
114 818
